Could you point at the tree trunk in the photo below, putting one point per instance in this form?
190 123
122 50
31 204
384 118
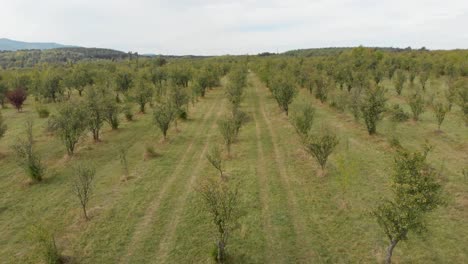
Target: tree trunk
85 213
388 258
220 252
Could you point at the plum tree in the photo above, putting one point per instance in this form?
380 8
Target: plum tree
416 193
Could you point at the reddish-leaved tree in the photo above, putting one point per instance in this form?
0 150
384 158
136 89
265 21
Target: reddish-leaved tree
17 98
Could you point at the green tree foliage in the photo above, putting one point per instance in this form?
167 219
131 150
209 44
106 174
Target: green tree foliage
70 124
51 85
284 91
440 110
95 110
416 193
3 92
302 119
111 110
82 185
179 99
142 93
399 81
322 86
180 75
372 107
227 128
123 81
221 201
27 157
80 77
423 78
461 87
321 145
237 82
164 114
416 102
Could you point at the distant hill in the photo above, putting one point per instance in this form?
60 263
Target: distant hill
13 45
29 58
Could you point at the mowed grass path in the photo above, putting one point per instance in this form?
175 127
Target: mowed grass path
289 214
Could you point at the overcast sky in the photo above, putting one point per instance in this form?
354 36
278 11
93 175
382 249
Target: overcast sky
214 27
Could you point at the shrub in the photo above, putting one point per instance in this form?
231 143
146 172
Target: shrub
111 111
398 114
42 111
17 98
128 112
45 243
183 114
27 157
150 152
395 142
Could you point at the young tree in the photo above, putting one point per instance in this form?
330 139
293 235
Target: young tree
17 98
416 193
142 93
372 106
303 118
423 78
322 85
123 81
3 126
82 185
28 158
111 110
179 100
95 111
416 102
124 161
239 118
284 90
221 202
51 86
321 145
164 114
3 93
440 110
215 159
70 124
227 127
462 97
399 81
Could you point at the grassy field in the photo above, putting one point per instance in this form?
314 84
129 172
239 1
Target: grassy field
289 213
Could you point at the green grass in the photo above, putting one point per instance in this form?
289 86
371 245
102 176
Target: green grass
289 213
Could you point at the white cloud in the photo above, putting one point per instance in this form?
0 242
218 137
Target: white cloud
236 27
